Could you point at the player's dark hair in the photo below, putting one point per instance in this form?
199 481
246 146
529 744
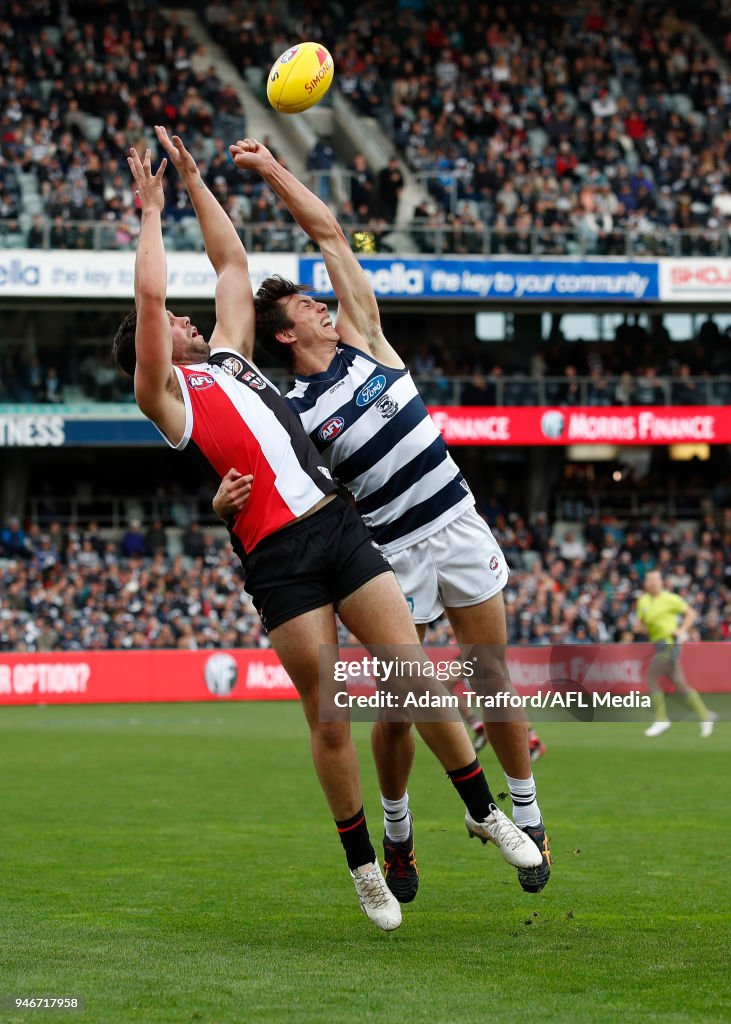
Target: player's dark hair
271 316
123 347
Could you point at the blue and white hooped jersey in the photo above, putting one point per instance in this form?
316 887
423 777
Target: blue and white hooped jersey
372 429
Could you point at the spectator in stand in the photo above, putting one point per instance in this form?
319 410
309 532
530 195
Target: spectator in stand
684 390
193 541
571 388
390 186
156 541
362 189
133 542
624 391
51 389
648 389
321 158
13 540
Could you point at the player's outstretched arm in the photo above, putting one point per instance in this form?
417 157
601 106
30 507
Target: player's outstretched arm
359 320
153 343
234 297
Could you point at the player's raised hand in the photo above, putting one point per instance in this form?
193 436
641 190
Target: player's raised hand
177 152
232 493
149 185
250 155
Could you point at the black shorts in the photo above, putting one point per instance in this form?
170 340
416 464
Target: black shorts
314 562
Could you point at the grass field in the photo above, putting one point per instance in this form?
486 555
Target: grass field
178 864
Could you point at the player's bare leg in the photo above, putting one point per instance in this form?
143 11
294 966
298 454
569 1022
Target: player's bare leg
298 645
481 631
483 625
469 717
377 614
393 749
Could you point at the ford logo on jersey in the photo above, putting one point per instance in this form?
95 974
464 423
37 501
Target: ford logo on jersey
200 381
331 428
370 390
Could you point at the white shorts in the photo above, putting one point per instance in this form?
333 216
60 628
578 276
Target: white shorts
458 566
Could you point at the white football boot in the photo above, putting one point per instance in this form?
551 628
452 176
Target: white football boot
376 900
516 847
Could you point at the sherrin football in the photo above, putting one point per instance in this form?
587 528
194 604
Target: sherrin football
300 78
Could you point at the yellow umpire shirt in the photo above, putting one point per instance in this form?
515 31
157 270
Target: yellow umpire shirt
660 614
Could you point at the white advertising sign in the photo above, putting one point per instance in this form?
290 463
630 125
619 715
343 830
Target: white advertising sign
39 273
695 279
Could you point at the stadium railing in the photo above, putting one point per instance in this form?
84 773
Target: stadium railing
480 388
406 239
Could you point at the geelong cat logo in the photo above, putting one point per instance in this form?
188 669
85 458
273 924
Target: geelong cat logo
387 407
199 381
331 428
370 390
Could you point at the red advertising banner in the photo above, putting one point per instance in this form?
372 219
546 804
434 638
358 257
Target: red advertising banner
101 677
556 425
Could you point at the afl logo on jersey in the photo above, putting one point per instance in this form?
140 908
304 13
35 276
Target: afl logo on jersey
199 381
331 428
232 365
370 390
494 562
253 380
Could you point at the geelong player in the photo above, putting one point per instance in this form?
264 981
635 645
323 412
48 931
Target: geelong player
666 618
360 407
305 551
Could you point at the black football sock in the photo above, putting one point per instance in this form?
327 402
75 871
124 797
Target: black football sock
471 784
356 842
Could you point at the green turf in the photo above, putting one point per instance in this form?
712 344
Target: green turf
178 864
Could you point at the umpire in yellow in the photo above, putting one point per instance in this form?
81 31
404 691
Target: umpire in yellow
666 618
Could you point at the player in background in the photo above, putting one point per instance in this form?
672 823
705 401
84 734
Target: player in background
667 618
306 552
359 405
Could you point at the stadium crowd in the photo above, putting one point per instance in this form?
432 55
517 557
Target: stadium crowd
73 588
533 121
545 118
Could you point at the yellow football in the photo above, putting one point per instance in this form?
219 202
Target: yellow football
300 78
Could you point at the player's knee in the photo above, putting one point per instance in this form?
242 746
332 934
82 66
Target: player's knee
331 736
392 730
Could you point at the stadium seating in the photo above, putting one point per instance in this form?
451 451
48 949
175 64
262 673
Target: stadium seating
576 589
533 130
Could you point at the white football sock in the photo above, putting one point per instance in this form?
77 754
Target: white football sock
525 806
396 820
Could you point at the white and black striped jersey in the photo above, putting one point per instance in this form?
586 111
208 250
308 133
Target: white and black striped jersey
372 428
